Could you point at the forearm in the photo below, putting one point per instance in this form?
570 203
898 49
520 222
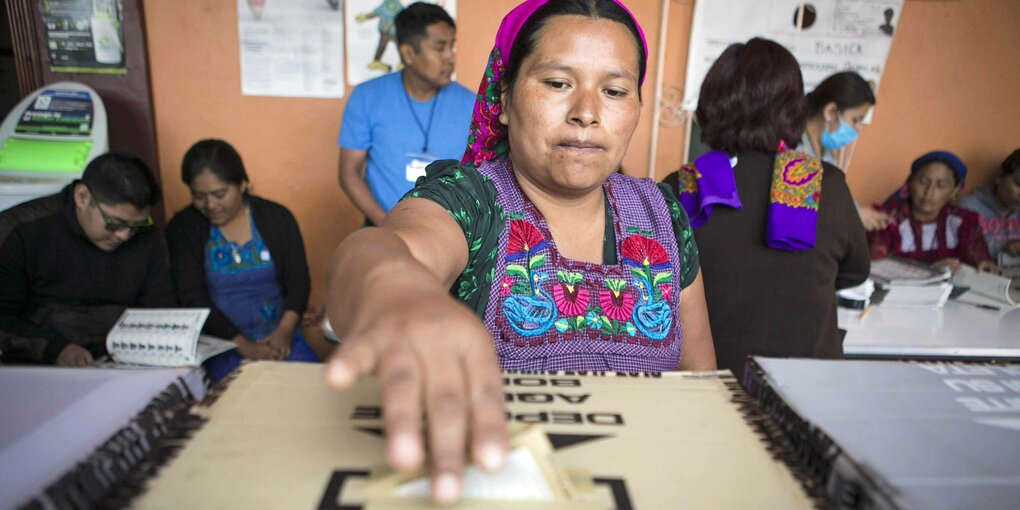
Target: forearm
44 343
371 271
362 198
352 179
288 322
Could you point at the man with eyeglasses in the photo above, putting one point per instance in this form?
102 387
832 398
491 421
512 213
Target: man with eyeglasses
71 262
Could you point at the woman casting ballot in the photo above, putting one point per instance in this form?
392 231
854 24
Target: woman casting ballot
532 254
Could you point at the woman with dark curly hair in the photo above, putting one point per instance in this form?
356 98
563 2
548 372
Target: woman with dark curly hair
776 229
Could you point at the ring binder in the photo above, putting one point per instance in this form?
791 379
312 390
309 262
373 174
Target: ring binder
896 435
111 475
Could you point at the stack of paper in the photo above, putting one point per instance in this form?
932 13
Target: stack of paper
910 283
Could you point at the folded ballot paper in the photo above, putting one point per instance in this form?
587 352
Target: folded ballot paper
276 437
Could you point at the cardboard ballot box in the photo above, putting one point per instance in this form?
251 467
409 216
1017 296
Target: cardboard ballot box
277 437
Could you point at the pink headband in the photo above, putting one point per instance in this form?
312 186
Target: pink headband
487 137
515 19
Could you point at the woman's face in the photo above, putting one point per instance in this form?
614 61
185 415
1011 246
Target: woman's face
1007 191
575 105
931 188
853 116
217 200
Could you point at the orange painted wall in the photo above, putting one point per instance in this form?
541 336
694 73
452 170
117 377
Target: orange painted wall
950 82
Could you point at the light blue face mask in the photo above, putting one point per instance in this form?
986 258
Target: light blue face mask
843 135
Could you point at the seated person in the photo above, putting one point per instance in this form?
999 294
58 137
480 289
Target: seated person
533 254
924 225
836 111
70 263
999 208
776 229
242 257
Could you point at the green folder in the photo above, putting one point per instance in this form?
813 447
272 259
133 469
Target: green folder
44 156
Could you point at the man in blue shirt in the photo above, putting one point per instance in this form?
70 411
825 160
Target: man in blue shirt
394 125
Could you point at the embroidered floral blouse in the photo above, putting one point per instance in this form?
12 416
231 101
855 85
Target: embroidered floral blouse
469 197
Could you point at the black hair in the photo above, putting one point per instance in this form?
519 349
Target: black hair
413 20
527 37
118 178
1012 163
752 99
217 157
847 89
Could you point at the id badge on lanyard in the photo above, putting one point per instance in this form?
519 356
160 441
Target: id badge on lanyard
415 164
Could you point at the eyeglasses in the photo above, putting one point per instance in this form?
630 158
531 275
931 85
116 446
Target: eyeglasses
113 225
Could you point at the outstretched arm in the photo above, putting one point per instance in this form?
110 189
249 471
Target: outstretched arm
388 299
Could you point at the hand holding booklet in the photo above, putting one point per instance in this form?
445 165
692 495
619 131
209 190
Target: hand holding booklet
163 337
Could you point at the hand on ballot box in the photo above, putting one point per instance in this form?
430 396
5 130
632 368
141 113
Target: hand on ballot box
433 358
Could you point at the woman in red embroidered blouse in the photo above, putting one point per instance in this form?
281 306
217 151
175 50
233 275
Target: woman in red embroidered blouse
925 226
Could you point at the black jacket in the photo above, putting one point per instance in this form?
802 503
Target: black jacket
56 286
768 302
187 235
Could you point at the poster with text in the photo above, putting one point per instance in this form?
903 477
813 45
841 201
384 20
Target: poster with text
291 48
84 36
372 36
826 36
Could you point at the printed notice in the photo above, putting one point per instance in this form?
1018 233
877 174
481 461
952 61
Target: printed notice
291 48
826 36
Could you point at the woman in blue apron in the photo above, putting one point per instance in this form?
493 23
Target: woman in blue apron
242 257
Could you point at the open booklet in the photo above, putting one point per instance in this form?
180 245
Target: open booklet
163 337
999 288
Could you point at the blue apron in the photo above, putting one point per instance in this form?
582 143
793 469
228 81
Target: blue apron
242 283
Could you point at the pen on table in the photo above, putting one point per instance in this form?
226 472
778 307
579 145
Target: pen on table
980 305
864 312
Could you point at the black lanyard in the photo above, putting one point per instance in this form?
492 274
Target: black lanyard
432 114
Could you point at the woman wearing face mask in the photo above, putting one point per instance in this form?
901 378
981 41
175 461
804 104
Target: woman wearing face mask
836 110
242 257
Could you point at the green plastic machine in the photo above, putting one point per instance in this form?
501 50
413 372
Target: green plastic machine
47 139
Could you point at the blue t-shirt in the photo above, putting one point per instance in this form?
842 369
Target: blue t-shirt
378 119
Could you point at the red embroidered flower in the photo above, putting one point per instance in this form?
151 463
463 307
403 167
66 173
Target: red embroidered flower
665 289
570 300
524 238
616 305
640 251
505 285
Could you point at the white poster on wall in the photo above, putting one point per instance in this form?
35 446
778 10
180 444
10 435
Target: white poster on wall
291 48
372 36
826 36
